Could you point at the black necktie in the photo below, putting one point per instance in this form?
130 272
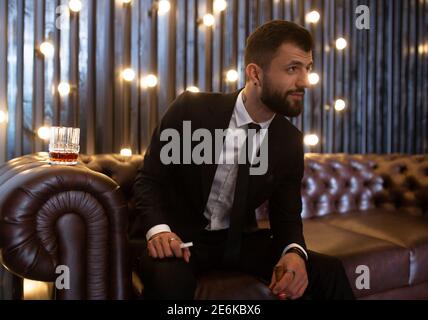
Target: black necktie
239 208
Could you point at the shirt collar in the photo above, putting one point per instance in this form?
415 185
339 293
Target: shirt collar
243 118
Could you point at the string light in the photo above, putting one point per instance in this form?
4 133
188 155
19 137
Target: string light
126 152
311 140
220 5
128 74
339 105
163 7
193 89
64 89
313 17
44 133
75 5
341 43
3 117
423 48
149 81
47 49
208 20
313 78
232 75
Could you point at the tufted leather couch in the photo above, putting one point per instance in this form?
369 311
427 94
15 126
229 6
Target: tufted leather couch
368 210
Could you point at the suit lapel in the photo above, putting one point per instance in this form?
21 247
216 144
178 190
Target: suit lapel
219 114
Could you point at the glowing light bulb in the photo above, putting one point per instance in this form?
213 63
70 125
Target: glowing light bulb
128 74
232 75
126 152
339 105
64 89
341 44
193 89
220 5
149 81
313 78
75 5
163 7
312 17
3 117
311 139
47 49
44 133
126 1
208 20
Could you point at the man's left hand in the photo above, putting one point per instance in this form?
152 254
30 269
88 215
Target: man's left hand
294 280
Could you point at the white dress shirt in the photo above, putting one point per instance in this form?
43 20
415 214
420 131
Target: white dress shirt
220 199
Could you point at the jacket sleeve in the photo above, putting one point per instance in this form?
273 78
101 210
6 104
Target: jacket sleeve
285 206
153 176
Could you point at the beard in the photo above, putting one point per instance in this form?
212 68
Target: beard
279 102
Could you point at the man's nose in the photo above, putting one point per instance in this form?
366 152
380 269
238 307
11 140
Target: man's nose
303 81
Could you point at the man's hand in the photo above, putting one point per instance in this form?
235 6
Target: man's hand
292 285
167 245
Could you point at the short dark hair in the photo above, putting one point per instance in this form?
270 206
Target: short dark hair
264 42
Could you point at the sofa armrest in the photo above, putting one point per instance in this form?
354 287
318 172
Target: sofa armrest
64 215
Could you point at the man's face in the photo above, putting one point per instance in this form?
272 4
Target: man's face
285 80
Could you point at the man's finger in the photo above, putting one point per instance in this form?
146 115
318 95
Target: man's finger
283 284
152 250
295 287
296 283
175 246
300 291
186 254
158 246
166 247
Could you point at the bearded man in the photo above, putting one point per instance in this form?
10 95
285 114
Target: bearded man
213 205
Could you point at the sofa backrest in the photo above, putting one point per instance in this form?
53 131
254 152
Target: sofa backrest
333 183
340 183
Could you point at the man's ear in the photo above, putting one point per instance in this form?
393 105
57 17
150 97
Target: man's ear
253 72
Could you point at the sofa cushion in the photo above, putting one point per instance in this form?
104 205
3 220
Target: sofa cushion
388 263
395 227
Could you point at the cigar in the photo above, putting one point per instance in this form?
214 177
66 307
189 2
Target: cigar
186 245
279 272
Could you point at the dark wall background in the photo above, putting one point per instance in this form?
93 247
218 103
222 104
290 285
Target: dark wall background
382 74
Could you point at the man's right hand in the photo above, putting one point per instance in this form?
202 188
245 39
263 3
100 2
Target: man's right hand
167 245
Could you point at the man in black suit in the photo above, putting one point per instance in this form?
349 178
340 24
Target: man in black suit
213 203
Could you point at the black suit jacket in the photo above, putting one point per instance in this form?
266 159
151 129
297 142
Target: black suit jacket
177 194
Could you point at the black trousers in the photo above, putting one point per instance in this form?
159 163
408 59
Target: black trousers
173 278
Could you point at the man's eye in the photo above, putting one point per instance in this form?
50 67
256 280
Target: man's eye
291 69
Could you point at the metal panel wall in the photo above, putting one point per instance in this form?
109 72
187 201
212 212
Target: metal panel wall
382 74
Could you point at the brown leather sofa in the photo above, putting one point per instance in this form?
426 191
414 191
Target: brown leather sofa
368 210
